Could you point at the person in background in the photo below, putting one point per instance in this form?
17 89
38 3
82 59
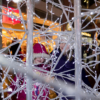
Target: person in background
39 57
14 47
63 66
66 64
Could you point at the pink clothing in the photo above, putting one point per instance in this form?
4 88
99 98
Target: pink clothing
39 50
36 90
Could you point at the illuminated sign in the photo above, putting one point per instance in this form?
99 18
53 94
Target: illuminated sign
8 16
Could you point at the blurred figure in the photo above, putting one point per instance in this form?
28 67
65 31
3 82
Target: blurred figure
39 58
66 65
14 47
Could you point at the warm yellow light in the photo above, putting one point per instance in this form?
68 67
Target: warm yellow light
11 38
47 21
86 34
3 32
22 26
49 30
68 27
84 0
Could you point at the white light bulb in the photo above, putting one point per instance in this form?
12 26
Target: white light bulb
91 13
10 89
81 13
16 1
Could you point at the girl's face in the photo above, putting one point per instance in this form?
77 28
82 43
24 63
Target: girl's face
62 45
39 60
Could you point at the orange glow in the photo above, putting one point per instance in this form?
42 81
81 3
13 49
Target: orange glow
19 35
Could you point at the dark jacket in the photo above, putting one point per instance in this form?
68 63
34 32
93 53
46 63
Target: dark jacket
63 66
14 48
70 65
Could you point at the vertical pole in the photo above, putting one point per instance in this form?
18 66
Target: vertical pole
29 53
77 15
1 47
1 25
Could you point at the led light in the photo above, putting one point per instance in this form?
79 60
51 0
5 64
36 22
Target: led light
22 26
16 1
72 18
91 13
82 13
10 89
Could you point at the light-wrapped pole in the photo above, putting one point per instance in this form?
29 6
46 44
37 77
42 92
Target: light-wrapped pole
0 26
29 55
77 23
